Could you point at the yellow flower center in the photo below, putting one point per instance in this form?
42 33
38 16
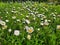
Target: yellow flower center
30 30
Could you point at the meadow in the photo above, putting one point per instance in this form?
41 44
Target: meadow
29 23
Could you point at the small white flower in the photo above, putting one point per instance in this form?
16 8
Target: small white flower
42 19
27 21
2 22
38 29
58 26
46 23
40 15
49 20
1 17
7 12
28 37
27 16
5 16
54 17
34 18
16 32
44 16
7 20
29 29
32 13
4 27
58 15
42 23
9 30
14 17
18 20
46 20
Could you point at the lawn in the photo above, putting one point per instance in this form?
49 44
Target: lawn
29 23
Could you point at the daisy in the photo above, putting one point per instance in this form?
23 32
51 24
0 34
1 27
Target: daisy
16 32
29 29
2 22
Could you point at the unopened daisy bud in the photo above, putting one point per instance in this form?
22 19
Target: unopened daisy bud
38 29
27 21
7 12
58 15
27 16
7 20
28 37
58 26
46 20
42 23
34 18
14 17
9 30
4 27
49 20
44 17
18 20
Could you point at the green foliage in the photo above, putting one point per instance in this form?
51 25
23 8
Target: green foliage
45 36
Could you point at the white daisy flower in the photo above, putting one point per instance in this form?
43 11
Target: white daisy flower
29 29
2 22
28 37
16 32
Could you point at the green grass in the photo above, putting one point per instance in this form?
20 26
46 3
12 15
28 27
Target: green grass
46 35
